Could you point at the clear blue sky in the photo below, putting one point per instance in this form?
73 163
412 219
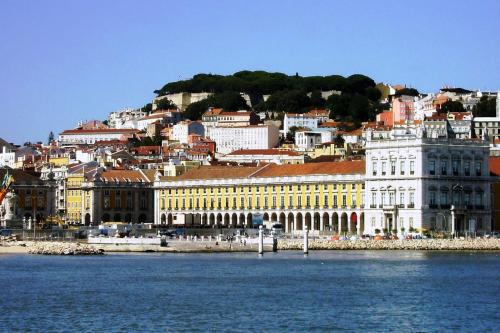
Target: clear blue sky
64 61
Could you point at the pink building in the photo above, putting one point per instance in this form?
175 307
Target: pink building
403 109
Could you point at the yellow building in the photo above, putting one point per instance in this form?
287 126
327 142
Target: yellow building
59 161
322 196
74 197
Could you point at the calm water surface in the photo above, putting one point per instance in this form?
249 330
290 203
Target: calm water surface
284 292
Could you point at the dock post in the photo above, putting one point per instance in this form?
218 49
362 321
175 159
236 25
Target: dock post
261 241
306 240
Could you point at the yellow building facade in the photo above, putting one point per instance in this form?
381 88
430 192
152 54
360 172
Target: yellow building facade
74 197
322 196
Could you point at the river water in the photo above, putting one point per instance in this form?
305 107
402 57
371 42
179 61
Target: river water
371 291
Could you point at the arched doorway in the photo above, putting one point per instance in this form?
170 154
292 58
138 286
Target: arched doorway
354 223
362 223
343 223
265 217
163 219
274 217
117 217
143 218
299 222
335 222
219 219
204 219
283 220
290 222
226 220
242 219
249 221
308 221
170 219
234 220
316 221
128 218
87 219
326 221
212 219
105 217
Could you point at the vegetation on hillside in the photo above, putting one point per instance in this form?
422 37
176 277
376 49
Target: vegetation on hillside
355 97
486 107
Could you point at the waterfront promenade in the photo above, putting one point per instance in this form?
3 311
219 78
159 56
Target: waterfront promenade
185 246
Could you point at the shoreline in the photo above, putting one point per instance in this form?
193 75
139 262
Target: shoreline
453 245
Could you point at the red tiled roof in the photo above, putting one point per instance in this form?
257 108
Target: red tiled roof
273 170
495 166
264 152
107 130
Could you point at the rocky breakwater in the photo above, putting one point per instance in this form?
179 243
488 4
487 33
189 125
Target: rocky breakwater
416 244
60 248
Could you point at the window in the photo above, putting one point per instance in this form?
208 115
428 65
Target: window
478 167
249 202
401 198
344 200
411 222
265 202
402 167
374 168
308 201
467 201
353 199
106 202
234 202
444 167
393 167
455 166
290 201
257 202
467 168
299 202
374 199
242 202
479 198
383 168
344 186
412 199
412 167
118 202
382 198
432 198
392 197
373 222
432 167
325 203
444 198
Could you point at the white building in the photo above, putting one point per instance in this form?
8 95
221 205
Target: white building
299 120
415 182
308 140
118 119
182 130
277 156
228 139
8 155
219 118
489 124
87 137
424 107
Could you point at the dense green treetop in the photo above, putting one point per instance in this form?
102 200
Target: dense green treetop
266 83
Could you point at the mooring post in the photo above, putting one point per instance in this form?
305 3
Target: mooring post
306 240
261 241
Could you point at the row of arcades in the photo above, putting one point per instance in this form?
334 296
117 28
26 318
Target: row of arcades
350 222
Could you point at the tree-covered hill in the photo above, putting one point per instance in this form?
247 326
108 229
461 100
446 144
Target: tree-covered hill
356 98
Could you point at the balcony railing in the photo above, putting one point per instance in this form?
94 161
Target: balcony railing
412 205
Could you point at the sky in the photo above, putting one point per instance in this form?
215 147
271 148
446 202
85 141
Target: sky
66 61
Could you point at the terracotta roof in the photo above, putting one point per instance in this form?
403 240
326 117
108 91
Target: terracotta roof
221 112
217 172
495 166
107 130
133 176
264 152
319 112
329 168
274 170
